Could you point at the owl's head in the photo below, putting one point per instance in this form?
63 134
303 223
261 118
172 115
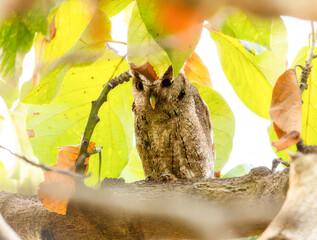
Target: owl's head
151 91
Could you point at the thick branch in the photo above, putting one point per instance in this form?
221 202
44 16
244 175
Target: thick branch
67 172
197 208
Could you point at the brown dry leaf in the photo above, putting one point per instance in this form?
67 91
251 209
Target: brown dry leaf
30 133
57 188
286 110
196 71
146 70
217 174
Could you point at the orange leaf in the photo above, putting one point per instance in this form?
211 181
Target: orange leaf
196 71
217 174
57 188
146 70
286 110
98 30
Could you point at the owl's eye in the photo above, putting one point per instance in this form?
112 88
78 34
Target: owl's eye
166 82
139 86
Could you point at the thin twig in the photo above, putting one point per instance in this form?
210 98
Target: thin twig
97 150
310 56
46 168
93 118
278 161
306 70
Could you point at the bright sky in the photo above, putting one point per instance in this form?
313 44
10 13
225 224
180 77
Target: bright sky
251 143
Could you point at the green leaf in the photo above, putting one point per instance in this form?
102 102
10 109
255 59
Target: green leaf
134 170
239 171
113 7
309 97
16 39
9 91
175 26
62 122
268 32
6 184
223 124
252 73
70 20
251 76
87 49
142 47
48 88
27 176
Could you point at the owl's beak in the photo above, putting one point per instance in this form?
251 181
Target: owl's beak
153 101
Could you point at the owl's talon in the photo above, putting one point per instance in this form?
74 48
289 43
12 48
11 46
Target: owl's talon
166 177
149 178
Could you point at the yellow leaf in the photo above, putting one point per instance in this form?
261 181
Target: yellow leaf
196 71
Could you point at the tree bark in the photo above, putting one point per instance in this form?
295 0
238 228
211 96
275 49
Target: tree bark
191 209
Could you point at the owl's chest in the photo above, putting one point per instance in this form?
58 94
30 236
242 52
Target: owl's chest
162 129
156 125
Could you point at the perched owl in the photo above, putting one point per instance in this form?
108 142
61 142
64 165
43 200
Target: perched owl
173 130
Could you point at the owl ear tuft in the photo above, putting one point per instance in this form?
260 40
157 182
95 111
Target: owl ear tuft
146 70
169 72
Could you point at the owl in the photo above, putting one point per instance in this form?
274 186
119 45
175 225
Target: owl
173 130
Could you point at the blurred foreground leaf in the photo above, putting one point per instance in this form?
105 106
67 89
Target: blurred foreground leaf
142 48
87 49
16 39
175 25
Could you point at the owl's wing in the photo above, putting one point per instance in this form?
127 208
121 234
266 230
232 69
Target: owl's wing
202 111
203 114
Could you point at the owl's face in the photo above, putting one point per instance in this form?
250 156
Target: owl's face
155 93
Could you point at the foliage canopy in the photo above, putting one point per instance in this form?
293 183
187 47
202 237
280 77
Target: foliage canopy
74 60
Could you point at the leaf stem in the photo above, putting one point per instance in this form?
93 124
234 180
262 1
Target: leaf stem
93 118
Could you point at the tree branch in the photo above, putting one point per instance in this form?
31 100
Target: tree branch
190 209
93 118
67 172
307 68
301 147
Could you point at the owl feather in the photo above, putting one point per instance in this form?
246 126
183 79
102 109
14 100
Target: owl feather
173 129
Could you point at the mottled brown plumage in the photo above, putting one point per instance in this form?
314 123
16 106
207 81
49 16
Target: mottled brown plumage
173 130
